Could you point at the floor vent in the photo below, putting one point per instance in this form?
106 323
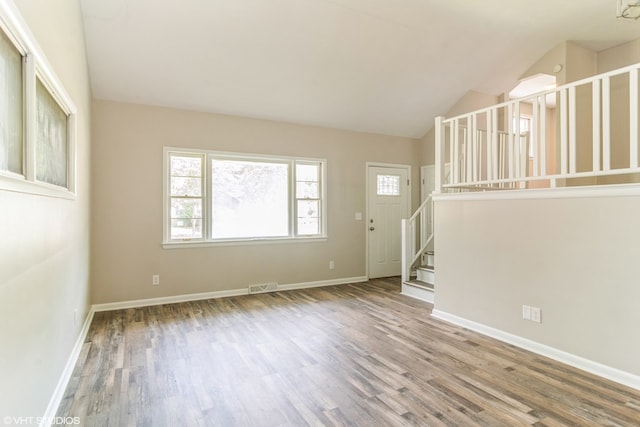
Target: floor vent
265 287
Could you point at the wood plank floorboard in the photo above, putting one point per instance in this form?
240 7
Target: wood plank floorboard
348 355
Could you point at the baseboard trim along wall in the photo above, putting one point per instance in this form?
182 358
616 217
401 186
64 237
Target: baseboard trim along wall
218 294
65 377
320 283
587 365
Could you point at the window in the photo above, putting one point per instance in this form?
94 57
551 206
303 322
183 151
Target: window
186 196
37 118
308 200
388 185
10 106
51 139
214 197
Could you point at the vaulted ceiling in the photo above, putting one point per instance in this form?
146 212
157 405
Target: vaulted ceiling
381 66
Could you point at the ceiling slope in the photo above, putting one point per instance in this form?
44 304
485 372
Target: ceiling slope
377 66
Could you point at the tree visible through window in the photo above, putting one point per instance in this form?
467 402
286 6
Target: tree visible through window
249 199
186 197
237 197
308 200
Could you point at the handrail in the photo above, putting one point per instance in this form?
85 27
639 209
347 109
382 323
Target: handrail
487 150
417 235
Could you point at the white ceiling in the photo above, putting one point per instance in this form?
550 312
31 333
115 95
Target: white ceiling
381 66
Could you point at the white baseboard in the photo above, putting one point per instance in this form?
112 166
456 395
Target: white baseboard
168 300
587 365
58 393
218 294
320 283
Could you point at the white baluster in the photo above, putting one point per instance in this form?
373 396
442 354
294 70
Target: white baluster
595 118
633 118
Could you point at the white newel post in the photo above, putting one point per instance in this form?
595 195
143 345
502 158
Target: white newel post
406 251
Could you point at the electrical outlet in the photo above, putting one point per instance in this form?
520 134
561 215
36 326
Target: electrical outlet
155 279
526 312
332 265
536 315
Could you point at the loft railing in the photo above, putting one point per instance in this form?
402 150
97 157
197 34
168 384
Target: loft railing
417 235
585 130
581 133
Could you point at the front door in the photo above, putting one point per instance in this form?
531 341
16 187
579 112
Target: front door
388 205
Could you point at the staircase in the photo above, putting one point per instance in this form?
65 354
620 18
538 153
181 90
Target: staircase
417 242
424 285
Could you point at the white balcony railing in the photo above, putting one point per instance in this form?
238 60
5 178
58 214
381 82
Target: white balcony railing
581 133
584 130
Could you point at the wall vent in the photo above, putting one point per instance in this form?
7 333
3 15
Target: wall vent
262 288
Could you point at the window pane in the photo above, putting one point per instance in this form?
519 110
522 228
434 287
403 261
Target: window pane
308 208
10 106
51 139
308 226
186 203
186 166
388 185
186 218
306 172
186 186
307 190
186 208
182 228
249 199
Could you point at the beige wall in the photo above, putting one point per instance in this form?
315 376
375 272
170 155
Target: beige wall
556 55
576 259
471 101
127 202
572 257
619 56
44 249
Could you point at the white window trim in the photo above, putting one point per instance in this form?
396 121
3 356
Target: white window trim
36 66
206 241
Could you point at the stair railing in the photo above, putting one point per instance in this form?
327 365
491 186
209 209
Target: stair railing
596 135
417 235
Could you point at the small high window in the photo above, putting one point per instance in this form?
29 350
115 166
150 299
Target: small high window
37 118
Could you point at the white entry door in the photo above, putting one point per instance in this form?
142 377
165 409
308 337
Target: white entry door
388 205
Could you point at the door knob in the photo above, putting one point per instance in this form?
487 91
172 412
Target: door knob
372 228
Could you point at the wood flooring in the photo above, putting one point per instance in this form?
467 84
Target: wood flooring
348 355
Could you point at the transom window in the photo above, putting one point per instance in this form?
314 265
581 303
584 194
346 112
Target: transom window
216 197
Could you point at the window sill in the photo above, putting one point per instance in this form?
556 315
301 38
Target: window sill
17 184
240 242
